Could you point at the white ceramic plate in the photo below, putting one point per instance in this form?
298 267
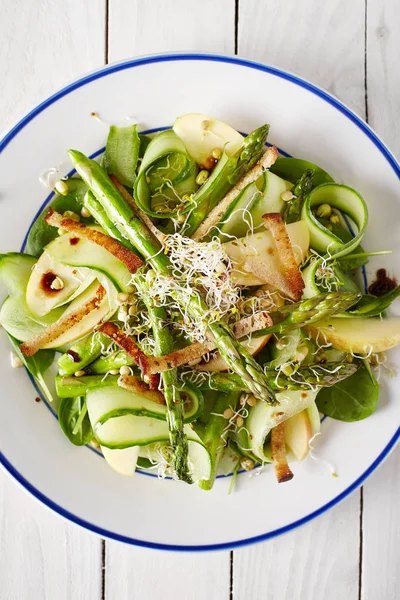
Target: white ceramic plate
306 122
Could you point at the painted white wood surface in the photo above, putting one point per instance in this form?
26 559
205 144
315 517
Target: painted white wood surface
44 46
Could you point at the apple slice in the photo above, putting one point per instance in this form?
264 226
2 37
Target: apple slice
256 255
360 336
298 434
217 363
122 460
202 134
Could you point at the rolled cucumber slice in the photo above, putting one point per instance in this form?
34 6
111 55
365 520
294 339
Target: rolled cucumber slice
347 201
272 188
130 431
112 401
238 219
68 249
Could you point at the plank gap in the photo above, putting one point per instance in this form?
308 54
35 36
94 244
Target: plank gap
236 26
231 575
103 569
107 18
360 556
366 59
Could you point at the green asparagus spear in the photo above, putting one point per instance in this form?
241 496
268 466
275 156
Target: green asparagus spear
225 176
82 353
125 219
213 434
372 306
292 211
175 405
72 387
91 203
105 364
308 311
302 378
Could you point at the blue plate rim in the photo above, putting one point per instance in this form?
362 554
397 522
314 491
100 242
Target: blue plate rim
364 127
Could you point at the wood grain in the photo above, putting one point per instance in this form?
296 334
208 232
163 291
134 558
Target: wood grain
45 45
147 574
147 27
42 555
313 562
327 49
324 45
381 518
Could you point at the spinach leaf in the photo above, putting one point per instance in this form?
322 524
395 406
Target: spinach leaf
352 399
42 234
74 420
36 365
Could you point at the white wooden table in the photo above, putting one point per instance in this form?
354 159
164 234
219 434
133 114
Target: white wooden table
352 50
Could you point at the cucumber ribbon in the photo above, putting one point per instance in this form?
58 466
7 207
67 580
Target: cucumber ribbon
323 241
166 174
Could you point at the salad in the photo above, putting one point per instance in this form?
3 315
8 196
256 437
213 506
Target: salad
191 303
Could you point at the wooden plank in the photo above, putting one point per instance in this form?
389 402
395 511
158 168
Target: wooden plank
381 518
44 46
137 573
322 46
382 62
43 556
315 561
137 28
325 46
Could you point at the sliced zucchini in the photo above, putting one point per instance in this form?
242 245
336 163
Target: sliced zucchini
293 168
73 251
109 402
238 219
344 199
129 430
202 135
272 188
15 270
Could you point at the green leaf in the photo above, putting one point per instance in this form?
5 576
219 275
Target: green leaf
42 234
74 420
352 399
37 365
